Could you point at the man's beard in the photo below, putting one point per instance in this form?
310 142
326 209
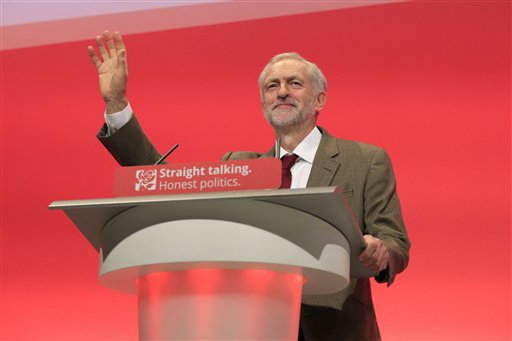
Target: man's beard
280 117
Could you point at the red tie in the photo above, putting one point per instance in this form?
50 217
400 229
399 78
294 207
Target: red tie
286 176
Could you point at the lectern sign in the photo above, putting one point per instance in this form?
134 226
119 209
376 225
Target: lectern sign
198 177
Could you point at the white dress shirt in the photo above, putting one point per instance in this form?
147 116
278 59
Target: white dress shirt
306 150
118 119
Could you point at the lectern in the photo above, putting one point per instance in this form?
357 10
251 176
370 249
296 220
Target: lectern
222 266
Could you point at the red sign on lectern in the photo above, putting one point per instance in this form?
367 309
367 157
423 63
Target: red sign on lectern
198 177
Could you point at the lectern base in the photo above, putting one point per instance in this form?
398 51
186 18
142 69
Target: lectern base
219 304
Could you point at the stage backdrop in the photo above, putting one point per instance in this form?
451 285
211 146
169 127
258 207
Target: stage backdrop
428 81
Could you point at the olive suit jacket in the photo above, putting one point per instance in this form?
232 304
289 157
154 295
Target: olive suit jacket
365 175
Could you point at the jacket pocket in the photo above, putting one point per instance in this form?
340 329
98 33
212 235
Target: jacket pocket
348 192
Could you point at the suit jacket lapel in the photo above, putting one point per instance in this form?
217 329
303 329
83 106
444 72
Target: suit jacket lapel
325 164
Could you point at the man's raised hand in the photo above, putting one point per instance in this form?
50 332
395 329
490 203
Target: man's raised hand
112 70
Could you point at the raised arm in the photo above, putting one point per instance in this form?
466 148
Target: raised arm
112 68
127 142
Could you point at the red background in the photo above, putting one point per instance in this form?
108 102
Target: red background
428 81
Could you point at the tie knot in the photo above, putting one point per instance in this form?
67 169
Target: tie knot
289 160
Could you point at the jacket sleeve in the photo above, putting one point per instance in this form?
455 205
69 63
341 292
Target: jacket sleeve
129 145
383 216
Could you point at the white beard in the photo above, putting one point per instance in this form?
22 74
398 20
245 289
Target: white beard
289 116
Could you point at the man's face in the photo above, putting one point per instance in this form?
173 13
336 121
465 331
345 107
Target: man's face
288 96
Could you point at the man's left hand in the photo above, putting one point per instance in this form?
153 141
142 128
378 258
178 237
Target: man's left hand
376 256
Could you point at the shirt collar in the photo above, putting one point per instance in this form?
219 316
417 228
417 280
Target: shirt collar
307 148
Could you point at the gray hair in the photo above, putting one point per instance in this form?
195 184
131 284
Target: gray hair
317 77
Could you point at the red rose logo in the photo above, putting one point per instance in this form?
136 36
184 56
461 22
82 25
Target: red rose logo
146 180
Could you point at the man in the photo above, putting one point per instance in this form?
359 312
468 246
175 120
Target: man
293 92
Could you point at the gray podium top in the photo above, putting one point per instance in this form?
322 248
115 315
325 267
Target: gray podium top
326 203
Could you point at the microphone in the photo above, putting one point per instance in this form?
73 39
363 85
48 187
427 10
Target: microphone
160 160
278 147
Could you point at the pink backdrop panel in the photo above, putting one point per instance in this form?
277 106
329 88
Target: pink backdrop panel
428 81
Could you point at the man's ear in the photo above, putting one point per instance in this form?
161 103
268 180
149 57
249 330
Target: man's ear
320 101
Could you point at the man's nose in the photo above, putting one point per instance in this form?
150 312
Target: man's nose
282 92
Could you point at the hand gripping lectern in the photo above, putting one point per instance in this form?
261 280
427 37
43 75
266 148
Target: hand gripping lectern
222 266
